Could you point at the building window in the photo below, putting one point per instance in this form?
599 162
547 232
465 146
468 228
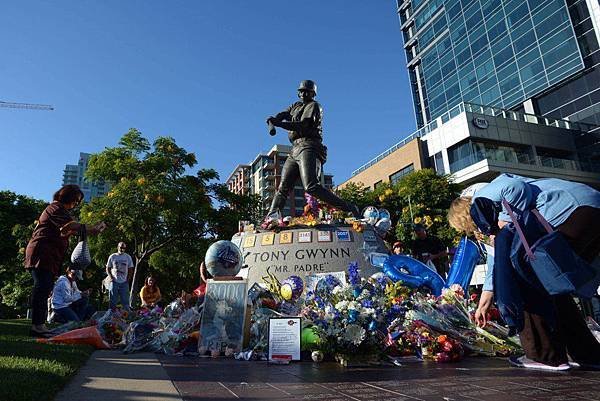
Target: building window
394 178
437 162
377 184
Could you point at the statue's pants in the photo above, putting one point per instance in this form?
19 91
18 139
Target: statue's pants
305 164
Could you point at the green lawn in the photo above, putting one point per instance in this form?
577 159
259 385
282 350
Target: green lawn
34 372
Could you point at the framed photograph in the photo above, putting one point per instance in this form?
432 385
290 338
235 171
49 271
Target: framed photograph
324 236
249 241
222 322
268 239
305 236
286 237
343 235
284 338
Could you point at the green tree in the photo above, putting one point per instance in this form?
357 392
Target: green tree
358 194
163 213
17 216
420 197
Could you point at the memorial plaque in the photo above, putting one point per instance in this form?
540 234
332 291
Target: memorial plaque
286 238
305 236
268 239
249 241
302 259
324 236
343 235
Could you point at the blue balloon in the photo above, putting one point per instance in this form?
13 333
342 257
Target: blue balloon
413 273
466 257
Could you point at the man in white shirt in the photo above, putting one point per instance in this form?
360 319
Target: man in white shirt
118 269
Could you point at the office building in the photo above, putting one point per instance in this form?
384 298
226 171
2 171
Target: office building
262 177
535 56
510 84
475 143
75 174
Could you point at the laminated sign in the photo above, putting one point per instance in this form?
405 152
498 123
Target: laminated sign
222 324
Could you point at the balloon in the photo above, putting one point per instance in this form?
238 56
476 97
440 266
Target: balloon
309 337
463 264
371 215
413 273
383 225
223 258
384 214
377 259
291 288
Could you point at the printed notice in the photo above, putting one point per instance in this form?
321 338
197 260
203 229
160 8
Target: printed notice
284 338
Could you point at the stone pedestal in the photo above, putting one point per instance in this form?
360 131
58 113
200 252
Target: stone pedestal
306 251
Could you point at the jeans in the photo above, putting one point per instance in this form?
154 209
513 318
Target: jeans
42 287
119 291
77 311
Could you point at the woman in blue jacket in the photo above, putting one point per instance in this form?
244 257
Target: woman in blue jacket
548 326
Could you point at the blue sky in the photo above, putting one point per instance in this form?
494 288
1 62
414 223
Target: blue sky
207 73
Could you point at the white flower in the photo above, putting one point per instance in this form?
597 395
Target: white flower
366 312
353 305
354 334
341 306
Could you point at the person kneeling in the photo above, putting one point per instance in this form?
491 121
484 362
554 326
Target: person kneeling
68 302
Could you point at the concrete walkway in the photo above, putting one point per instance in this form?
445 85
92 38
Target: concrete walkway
112 375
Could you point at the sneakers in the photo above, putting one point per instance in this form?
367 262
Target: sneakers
524 362
584 365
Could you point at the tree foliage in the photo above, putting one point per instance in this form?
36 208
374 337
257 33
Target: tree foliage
419 197
17 216
165 214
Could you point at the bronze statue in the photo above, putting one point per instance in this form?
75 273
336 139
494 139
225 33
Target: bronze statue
303 121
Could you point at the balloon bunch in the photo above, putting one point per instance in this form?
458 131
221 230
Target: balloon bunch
381 219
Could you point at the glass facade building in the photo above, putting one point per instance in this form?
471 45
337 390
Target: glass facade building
500 53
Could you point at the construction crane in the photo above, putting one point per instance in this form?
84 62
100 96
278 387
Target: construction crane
26 106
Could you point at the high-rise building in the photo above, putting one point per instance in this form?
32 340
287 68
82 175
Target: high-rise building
262 177
500 86
75 174
535 56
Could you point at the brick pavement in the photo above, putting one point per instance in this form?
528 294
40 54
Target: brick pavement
487 379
